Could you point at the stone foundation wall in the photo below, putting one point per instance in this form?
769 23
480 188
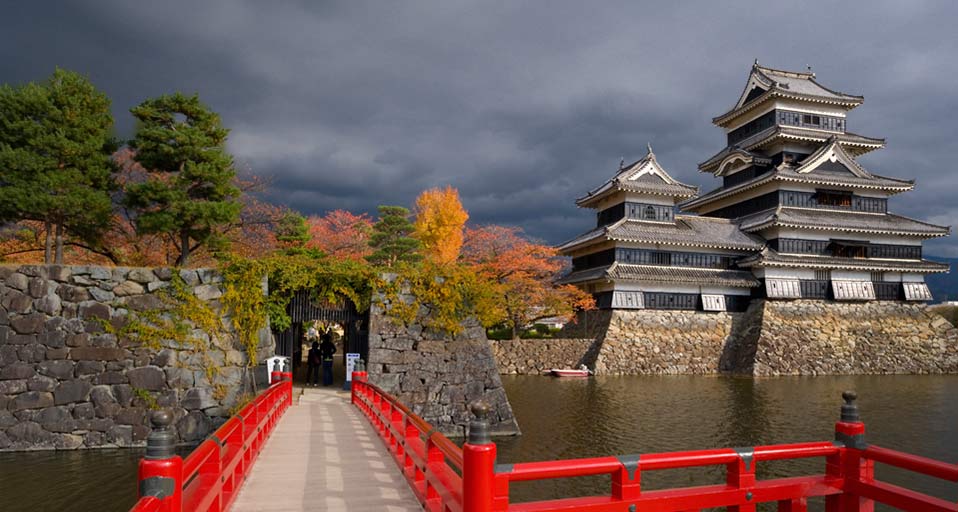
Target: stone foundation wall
806 337
664 342
66 383
437 375
801 337
531 357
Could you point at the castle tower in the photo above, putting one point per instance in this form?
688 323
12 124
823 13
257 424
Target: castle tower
642 255
789 175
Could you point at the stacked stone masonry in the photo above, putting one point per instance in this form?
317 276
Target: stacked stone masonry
437 375
802 337
67 382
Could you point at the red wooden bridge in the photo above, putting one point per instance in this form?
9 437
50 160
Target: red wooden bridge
446 477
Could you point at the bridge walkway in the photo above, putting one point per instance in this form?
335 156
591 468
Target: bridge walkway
324 455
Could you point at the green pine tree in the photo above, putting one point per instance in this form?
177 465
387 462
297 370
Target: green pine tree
55 166
189 193
391 240
292 231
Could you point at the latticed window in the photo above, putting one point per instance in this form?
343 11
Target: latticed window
823 275
650 213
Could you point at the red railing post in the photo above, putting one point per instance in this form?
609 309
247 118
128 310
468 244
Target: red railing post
161 470
478 463
359 374
741 474
626 481
850 431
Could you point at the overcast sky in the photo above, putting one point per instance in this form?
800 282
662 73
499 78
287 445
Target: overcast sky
522 106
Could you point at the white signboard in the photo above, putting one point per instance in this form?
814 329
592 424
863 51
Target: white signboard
351 358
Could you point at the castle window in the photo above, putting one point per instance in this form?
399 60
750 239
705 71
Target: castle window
649 213
823 275
878 277
833 198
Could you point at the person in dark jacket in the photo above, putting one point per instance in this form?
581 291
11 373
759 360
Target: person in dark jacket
313 360
326 351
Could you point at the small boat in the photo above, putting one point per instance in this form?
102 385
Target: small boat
581 371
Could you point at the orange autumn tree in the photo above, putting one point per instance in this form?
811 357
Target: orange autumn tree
524 275
440 218
341 234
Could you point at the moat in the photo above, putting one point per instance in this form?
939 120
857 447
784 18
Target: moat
603 416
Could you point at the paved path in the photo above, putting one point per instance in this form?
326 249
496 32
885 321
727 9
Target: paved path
324 455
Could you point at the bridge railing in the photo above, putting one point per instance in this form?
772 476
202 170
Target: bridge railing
447 478
211 476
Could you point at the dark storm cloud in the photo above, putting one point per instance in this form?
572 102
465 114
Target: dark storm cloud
523 106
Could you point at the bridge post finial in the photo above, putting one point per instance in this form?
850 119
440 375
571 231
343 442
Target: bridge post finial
850 408
360 366
479 426
161 443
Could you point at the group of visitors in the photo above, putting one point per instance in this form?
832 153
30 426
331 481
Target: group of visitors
320 355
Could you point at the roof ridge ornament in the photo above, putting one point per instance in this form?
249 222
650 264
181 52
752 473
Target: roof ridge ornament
621 163
649 145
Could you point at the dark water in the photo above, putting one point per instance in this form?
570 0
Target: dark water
570 418
601 416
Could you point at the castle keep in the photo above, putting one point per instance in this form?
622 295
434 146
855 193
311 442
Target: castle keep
795 217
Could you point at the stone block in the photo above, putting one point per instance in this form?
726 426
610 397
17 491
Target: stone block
141 275
197 398
52 338
56 419
101 295
120 435
190 277
84 411
21 339
84 368
100 273
123 394
143 302
59 273
208 292
179 378
29 434
17 281
95 424
157 285
131 416
12 387
60 369
31 400
16 302
78 340
127 288
58 353
28 324
163 273
90 310
49 304
17 371
163 358
67 441
6 419
38 287
148 377
32 353
73 293
40 383
8 355
72 391
98 354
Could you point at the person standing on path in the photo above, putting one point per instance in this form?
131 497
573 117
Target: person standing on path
326 350
313 360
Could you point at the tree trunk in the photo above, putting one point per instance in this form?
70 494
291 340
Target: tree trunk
59 253
48 246
184 249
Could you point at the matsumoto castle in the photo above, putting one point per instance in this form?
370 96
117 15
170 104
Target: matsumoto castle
795 215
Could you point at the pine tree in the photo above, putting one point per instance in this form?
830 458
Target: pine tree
292 231
55 166
189 193
391 240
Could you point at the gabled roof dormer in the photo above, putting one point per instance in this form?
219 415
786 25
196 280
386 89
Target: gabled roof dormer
832 153
644 176
766 83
